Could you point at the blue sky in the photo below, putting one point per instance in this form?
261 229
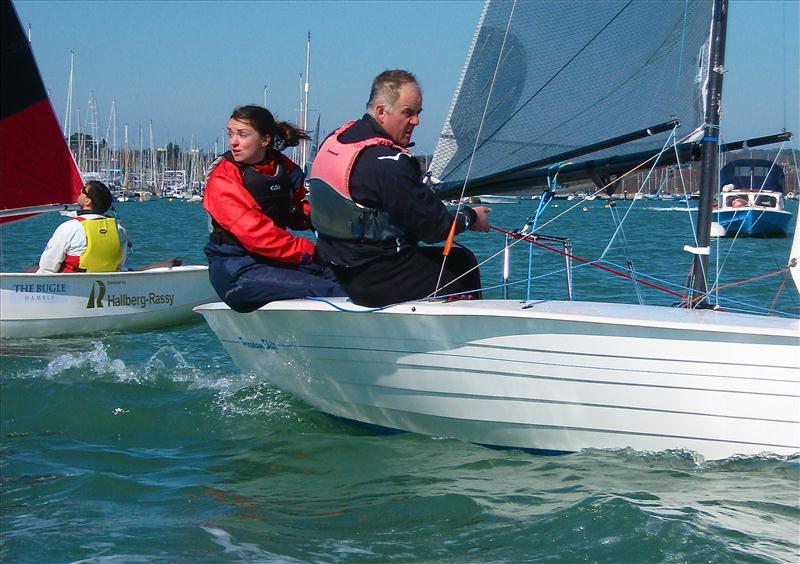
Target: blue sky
185 65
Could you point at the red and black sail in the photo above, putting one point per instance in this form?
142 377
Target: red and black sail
36 167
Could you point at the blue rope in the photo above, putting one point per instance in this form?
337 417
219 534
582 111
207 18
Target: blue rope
337 307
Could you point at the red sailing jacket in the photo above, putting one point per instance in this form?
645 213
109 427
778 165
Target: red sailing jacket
231 205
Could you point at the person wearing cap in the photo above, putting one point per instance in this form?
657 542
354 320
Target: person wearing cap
254 195
91 241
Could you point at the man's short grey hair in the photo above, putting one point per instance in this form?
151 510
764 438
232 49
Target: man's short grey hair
386 89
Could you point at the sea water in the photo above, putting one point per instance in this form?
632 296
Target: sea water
151 447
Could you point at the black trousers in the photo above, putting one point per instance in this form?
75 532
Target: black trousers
411 276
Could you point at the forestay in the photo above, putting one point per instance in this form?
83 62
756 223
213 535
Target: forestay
559 76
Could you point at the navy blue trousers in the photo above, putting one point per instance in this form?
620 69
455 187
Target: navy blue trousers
246 282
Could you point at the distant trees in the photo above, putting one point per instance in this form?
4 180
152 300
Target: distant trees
82 140
173 154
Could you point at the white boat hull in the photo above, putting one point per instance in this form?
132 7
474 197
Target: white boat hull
497 199
45 305
553 376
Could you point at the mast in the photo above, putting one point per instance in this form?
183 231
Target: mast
125 171
68 113
304 117
153 177
92 117
709 172
111 131
297 151
140 177
81 144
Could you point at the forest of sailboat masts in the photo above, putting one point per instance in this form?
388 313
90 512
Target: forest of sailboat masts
143 172
147 172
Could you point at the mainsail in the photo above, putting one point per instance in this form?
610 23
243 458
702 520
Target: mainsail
549 77
36 167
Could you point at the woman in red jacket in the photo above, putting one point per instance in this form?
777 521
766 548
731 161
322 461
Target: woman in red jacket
254 194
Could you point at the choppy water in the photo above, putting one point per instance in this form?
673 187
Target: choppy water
154 447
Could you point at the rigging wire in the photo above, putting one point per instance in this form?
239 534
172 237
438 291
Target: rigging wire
530 223
582 260
628 260
518 236
452 234
621 273
630 208
714 289
569 209
619 222
617 179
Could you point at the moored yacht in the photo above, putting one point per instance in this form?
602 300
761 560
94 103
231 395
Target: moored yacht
752 200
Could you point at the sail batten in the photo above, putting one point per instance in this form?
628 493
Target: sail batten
571 74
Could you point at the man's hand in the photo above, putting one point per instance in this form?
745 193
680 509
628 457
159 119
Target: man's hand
481 222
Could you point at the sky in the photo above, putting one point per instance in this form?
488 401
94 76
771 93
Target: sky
184 65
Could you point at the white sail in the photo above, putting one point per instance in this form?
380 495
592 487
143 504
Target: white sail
563 75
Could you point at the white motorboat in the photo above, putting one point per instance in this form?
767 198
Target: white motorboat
751 203
498 199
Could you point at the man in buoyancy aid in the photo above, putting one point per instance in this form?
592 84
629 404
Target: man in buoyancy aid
371 209
91 242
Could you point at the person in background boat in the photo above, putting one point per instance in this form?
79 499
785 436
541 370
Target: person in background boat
90 242
738 202
371 208
254 194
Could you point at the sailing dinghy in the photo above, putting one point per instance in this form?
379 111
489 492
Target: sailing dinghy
590 90
43 305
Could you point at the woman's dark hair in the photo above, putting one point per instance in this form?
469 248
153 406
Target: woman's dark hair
284 134
99 194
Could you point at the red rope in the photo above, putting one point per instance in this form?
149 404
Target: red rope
780 290
586 261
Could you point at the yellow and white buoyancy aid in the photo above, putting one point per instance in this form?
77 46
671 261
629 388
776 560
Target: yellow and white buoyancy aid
103 249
